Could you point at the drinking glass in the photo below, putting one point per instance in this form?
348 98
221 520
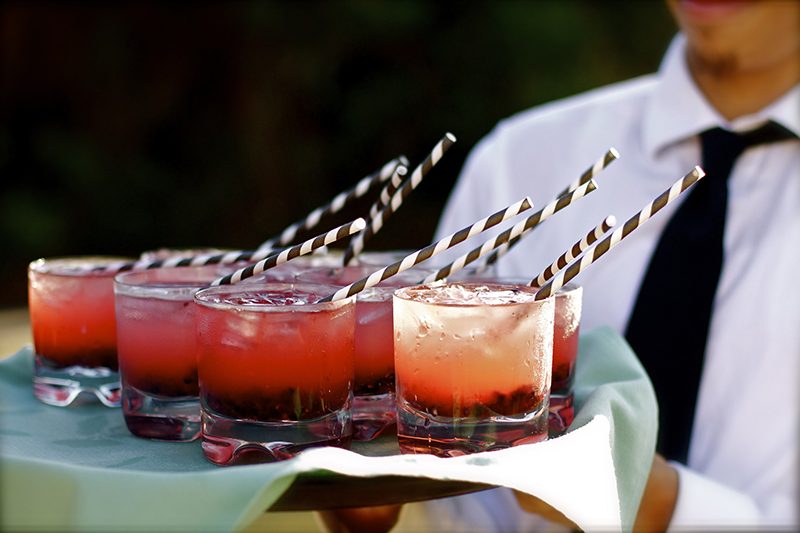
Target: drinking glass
157 348
473 365
569 301
74 331
374 405
275 370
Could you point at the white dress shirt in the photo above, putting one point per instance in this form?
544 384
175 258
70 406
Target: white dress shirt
742 468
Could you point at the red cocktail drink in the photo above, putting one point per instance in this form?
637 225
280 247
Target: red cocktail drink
275 370
374 401
473 365
74 329
565 351
157 346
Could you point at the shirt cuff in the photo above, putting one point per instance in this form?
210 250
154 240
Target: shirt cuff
706 504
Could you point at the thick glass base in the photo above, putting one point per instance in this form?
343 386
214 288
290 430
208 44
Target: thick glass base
562 413
159 417
419 432
63 386
372 415
230 441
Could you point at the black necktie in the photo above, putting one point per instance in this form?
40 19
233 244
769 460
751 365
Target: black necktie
669 323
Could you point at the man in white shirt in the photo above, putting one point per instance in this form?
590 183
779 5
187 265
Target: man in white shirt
735 65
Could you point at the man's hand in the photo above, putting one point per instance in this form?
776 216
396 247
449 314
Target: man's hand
378 519
534 505
659 498
655 509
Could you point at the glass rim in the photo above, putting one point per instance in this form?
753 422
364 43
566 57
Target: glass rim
201 295
91 262
121 277
569 288
401 293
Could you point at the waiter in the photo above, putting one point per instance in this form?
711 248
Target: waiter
706 292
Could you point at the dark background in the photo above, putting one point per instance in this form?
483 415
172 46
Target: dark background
128 126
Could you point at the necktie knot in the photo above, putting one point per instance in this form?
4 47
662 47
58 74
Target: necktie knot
721 147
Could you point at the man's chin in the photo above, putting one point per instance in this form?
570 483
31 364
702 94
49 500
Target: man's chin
709 11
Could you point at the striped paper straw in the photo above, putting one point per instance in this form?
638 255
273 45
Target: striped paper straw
477 253
337 204
540 216
376 222
388 190
198 260
593 171
576 250
513 233
290 253
429 251
604 245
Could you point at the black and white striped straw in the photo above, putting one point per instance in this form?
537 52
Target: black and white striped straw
388 190
337 204
429 251
537 218
376 222
476 253
512 234
604 245
304 248
577 249
592 171
197 260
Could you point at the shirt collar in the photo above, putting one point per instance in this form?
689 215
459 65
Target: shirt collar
677 109
785 111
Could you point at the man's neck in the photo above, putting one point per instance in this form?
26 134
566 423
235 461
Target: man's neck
735 92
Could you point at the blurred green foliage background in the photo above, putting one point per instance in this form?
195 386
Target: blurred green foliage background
128 126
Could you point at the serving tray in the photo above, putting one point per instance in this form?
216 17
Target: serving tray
79 468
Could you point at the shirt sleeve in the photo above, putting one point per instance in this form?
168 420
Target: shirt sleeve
706 504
